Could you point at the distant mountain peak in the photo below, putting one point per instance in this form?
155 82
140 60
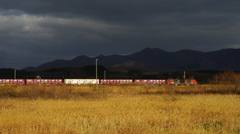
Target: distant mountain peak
82 56
100 56
149 51
188 51
152 50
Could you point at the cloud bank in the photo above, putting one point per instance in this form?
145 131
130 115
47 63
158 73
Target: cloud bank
36 31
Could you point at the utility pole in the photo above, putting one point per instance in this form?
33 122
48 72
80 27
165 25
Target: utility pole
96 75
96 69
104 74
15 74
184 75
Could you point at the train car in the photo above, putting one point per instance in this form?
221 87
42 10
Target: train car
81 81
44 81
150 81
55 81
12 81
116 81
181 82
173 81
190 82
100 81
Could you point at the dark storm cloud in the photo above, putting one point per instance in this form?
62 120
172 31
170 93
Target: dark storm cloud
35 31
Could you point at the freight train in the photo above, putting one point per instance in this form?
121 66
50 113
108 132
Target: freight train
99 81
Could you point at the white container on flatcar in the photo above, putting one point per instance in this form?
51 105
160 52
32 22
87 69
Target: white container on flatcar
81 81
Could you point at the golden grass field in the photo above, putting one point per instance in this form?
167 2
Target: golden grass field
128 109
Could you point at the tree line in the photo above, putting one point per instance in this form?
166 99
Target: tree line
226 77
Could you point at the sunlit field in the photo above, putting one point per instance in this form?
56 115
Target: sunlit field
124 109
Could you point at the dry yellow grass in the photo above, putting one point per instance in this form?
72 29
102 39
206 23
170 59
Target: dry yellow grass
119 110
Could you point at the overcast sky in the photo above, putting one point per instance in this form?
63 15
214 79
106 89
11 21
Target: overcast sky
33 32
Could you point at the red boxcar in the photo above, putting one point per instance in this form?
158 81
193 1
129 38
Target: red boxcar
116 81
150 81
44 81
12 81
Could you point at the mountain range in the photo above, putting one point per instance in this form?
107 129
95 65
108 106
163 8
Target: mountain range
155 58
